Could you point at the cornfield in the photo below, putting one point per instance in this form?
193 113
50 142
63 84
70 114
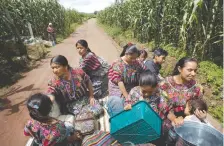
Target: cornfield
16 14
193 26
14 19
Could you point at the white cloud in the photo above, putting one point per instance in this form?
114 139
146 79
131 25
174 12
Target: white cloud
88 6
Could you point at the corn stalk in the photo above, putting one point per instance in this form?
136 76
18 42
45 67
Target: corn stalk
194 26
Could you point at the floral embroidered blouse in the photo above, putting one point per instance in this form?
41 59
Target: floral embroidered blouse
47 135
128 74
176 95
76 88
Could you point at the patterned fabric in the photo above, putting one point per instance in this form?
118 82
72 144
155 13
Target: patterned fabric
100 86
176 95
100 138
47 135
174 98
85 123
128 74
97 69
82 106
89 63
153 67
75 93
75 89
135 95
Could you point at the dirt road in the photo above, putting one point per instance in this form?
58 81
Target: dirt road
13 118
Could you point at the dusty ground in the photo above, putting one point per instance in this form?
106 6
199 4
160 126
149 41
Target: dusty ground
14 116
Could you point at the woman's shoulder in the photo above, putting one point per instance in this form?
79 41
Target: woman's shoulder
54 81
117 64
78 74
77 71
90 55
135 90
117 61
32 123
166 82
196 84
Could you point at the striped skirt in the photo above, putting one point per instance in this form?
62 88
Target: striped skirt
100 138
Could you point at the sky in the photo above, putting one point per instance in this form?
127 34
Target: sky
88 6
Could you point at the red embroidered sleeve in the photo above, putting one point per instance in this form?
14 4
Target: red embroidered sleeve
115 72
90 63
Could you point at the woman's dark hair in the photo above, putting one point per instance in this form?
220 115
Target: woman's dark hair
59 59
181 63
84 44
129 49
197 104
160 52
145 54
147 78
39 106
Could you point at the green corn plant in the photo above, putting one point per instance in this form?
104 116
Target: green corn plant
192 26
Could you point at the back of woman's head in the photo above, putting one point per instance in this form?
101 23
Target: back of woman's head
60 60
39 106
181 63
197 104
129 49
147 78
84 44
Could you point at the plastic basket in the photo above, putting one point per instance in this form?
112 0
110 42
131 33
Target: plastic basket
139 125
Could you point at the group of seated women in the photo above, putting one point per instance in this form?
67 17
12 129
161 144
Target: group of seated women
128 79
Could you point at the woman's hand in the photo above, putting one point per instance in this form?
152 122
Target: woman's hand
201 114
128 107
91 100
178 121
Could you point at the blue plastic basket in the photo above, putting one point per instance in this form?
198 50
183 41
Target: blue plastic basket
139 125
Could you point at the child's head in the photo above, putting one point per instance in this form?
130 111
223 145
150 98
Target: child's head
147 83
194 104
160 55
39 106
143 55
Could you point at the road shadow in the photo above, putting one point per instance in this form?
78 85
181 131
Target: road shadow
5 103
18 89
14 108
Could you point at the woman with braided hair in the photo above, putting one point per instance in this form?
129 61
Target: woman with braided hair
48 131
